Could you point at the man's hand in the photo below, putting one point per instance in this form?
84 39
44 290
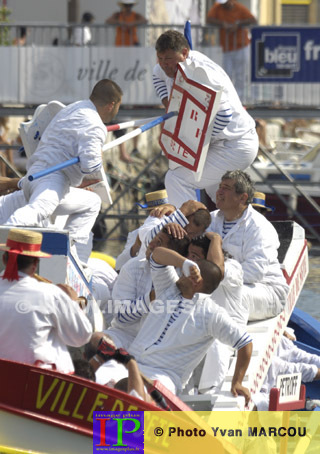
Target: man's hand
238 390
195 274
176 230
122 356
8 185
191 206
163 210
213 235
87 182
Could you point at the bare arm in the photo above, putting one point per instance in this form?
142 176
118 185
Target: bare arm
135 381
163 210
215 252
243 360
164 256
165 102
113 20
8 185
139 20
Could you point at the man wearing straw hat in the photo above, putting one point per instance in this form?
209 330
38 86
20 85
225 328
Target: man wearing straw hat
127 22
259 203
39 319
77 130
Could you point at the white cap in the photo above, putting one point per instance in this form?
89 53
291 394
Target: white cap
221 1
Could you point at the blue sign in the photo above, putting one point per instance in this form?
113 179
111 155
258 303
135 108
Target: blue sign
285 54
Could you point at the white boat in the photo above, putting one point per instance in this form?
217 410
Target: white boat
44 411
299 160
266 334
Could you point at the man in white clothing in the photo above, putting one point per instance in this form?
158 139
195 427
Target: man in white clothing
229 296
289 360
234 141
253 241
133 291
192 216
78 130
41 319
76 212
175 337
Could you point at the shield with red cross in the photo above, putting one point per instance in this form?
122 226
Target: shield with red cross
185 139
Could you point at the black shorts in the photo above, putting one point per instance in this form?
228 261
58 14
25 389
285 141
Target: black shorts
119 132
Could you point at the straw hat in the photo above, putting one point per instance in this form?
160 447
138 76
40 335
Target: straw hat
24 242
155 199
259 200
127 2
21 242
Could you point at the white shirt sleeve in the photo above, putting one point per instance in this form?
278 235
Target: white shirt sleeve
159 82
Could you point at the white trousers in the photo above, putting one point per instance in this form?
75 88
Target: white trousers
262 301
223 155
216 365
42 198
75 212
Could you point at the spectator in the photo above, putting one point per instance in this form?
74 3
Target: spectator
124 156
233 19
82 35
41 318
4 140
127 22
21 37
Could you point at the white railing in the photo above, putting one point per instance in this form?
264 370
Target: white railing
49 67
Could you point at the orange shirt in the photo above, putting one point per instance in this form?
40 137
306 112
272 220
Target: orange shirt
232 40
127 36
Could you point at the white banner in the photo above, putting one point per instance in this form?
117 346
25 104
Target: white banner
35 75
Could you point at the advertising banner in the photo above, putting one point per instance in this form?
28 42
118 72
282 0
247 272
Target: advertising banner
286 54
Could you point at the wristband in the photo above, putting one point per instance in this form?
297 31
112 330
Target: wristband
187 264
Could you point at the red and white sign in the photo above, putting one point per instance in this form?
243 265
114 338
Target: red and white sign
185 139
